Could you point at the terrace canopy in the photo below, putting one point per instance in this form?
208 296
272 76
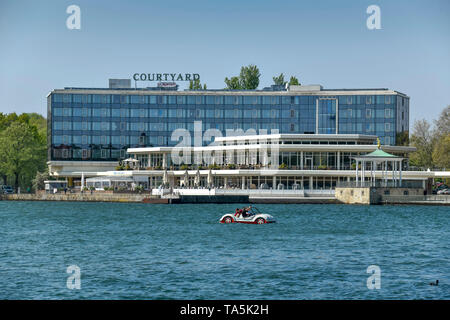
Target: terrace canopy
387 162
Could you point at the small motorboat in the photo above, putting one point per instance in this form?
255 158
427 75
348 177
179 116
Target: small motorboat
255 217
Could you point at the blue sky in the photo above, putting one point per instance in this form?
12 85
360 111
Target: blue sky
320 42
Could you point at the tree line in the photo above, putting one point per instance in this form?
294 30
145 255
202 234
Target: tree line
23 148
432 140
248 79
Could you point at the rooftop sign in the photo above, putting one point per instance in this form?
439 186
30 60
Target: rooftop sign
166 76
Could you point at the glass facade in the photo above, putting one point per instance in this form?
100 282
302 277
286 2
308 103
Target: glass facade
101 126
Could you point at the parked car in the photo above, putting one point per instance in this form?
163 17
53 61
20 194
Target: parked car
444 191
6 189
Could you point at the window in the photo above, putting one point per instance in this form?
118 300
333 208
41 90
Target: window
218 113
387 127
65 153
105 126
104 140
349 100
387 99
387 140
85 153
349 113
368 113
67 125
67 112
369 100
104 153
123 126
66 140
292 114
86 112
292 129
84 139
387 113
84 125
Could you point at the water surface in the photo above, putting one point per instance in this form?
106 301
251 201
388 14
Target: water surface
148 251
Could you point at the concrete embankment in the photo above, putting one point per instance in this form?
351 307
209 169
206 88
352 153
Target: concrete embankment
94 197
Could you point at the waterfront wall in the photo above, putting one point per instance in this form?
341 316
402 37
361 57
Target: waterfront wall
372 195
94 197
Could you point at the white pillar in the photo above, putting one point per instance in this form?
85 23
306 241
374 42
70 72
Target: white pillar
339 160
243 182
301 160
357 171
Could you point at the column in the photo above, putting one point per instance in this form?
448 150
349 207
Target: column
243 182
400 177
339 160
274 183
357 171
311 182
301 160
164 164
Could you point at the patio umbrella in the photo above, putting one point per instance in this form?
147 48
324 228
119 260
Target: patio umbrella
197 178
186 178
210 178
165 178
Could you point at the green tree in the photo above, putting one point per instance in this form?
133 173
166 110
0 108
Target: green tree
402 138
422 139
38 181
233 84
293 81
22 152
196 85
248 79
279 81
441 152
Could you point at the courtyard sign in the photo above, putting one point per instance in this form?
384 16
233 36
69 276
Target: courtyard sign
166 76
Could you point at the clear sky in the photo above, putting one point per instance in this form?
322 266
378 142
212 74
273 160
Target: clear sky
322 42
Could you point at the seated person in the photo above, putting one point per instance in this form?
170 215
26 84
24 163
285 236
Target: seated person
238 212
247 212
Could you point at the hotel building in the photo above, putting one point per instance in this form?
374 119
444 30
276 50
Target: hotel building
318 130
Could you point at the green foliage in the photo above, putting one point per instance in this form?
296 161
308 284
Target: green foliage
441 152
402 138
196 85
422 139
432 143
279 81
22 148
38 181
293 81
233 83
248 79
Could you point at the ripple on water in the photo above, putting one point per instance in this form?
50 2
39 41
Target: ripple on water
142 251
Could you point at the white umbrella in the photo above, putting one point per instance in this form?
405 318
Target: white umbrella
186 179
197 178
165 177
210 178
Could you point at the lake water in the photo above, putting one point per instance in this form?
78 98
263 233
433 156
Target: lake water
147 251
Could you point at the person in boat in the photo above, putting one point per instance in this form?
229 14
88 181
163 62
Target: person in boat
247 212
238 212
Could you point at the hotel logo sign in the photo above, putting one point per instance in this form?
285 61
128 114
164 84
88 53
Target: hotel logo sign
166 76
